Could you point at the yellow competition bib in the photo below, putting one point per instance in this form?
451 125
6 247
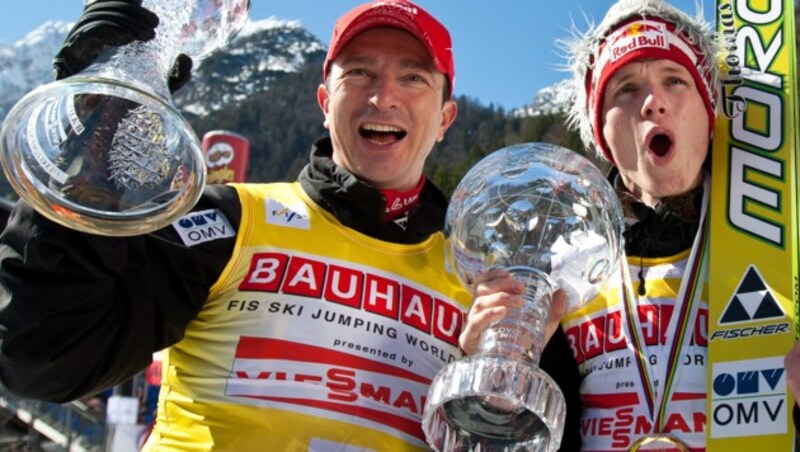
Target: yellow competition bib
315 337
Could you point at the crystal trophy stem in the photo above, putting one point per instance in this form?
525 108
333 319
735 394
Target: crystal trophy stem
520 334
498 399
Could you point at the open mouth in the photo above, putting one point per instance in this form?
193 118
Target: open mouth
382 134
660 144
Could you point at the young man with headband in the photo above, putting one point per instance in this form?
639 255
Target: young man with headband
645 87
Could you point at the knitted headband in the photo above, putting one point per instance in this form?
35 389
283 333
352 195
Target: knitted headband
634 30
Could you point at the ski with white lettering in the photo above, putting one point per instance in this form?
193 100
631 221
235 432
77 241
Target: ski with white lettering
753 289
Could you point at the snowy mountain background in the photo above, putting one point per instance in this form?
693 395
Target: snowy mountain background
27 63
263 86
550 100
264 51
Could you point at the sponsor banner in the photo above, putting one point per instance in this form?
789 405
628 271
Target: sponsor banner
605 333
615 412
227 156
203 226
607 430
640 34
347 342
341 383
290 216
754 221
748 398
351 290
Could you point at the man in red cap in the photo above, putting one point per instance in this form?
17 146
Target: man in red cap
386 59
293 316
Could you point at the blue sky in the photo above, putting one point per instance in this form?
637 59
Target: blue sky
504 49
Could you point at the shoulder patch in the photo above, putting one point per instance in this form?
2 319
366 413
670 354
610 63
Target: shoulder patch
290 216
203 226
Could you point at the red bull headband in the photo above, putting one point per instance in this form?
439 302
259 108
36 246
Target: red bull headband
637 39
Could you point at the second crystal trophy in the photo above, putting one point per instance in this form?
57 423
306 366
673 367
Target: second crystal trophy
105 151
548 216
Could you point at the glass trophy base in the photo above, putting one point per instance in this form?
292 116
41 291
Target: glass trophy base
103 157
492 403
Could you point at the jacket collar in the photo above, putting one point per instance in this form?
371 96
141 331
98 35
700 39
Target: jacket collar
359 206
664 230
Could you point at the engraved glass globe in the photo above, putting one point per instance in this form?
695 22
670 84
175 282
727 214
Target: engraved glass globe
548 216
105 151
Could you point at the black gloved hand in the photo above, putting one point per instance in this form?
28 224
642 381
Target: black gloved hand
181 72
112 23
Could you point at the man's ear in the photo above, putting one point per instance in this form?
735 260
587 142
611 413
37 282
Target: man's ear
449 113
323 99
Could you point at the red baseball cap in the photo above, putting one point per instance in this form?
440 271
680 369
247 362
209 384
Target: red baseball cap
400 14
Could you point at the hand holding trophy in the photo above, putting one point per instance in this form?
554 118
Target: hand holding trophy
105 151
548 216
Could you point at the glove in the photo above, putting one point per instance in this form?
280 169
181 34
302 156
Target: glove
112 23
181 72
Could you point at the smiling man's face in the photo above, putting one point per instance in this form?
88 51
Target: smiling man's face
383 107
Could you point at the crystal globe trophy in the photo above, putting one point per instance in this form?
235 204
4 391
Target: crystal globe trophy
105 151
548 216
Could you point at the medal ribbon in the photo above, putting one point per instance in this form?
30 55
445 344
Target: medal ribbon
680 324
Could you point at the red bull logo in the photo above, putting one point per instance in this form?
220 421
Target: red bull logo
637 35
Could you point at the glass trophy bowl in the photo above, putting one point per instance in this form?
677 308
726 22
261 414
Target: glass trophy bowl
548 216
105 151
